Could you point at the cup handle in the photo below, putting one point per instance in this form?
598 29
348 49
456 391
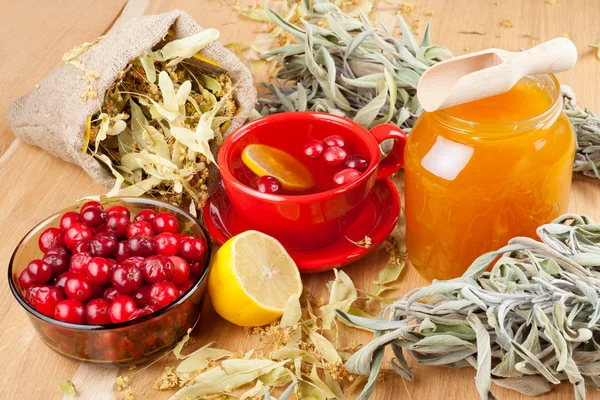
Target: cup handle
395 159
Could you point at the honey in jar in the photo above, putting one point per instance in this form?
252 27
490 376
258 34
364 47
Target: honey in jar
480 173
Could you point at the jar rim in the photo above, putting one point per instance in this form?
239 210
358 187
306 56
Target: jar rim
548 116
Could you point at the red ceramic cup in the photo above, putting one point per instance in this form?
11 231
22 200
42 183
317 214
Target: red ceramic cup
309 220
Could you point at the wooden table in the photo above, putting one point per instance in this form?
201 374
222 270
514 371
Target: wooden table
34 184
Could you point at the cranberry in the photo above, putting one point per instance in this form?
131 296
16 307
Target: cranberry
127 278
118 210
165 222
121 309
62 278
112 264
346 176
334 140
97 291
140 228
98 270
103 245
99 230
121 251
108 234
149 309
79 262
39 271
181 270
145 311
111 293
96 312
313 149
60 251
90 204
76 233
142 296
185 286
69 219
83 246
357 162
117 224
25 280
30 295
70 311
268 184
93 217
157 268
50 238
145 215
58 260
135 261
167 244
141 246
78 287
46 299
162 294
196 268
334 155
192 249
140 312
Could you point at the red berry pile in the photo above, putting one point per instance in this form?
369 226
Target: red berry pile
333 151
100 267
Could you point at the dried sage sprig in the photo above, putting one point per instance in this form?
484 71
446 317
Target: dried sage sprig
344 65
587 130
532 321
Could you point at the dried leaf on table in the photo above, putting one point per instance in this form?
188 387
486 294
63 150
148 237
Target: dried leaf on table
292 312
67 388
342 294
232 374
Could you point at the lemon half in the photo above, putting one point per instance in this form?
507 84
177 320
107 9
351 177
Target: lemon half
266 160
252 277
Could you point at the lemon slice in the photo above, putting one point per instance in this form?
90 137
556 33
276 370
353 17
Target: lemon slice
251 278
266 160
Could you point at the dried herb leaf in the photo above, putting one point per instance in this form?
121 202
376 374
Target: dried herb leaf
180 344
199 359
291 312
180 49
67 388
233 374
147 62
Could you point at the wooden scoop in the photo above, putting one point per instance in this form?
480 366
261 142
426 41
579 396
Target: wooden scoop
490 72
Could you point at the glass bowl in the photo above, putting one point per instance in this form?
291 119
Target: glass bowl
123 343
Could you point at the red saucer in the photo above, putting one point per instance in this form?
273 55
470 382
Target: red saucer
377 221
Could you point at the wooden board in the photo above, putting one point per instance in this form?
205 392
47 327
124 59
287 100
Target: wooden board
34 184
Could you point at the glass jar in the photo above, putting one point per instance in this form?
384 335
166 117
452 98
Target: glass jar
481 173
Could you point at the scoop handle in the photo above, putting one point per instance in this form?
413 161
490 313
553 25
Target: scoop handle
556 55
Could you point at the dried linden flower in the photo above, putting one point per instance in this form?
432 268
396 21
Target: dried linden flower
167 380
406 8
122 382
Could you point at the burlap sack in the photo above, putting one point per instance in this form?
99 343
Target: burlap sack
54 116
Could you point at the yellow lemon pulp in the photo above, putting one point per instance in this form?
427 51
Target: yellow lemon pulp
251 278
266 160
